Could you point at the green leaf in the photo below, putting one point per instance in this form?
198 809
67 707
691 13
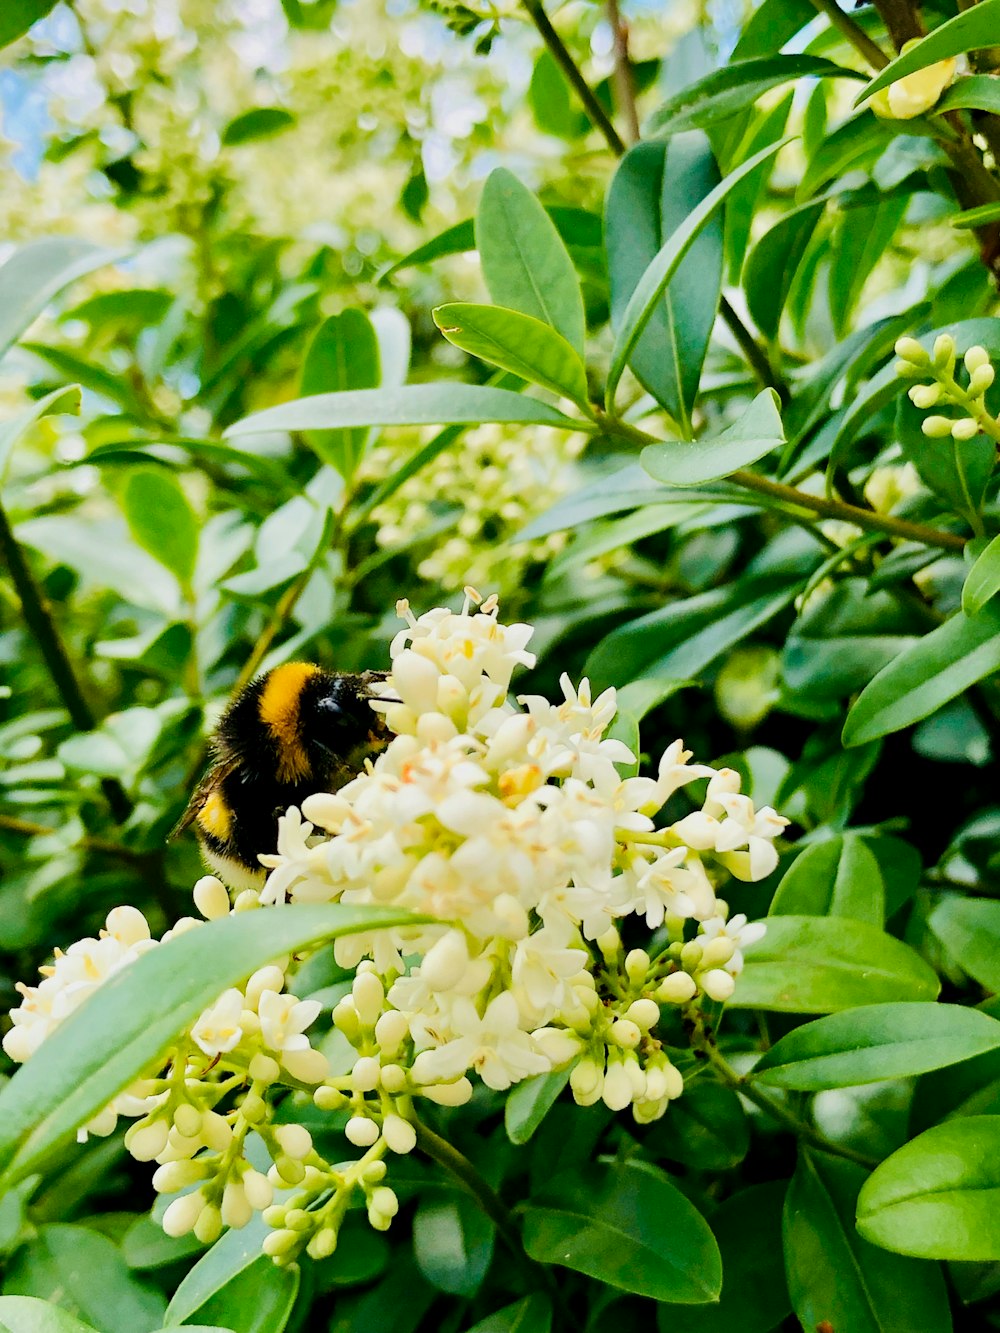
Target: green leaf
516 343
453 1243
656 277
529 1102
937 1197
771 25
742 205
977 217
982 581
757 433
456 240
970 31
161 520
28 1314
234 1282
128 1023
976 92
860 241
774 262
16 17
709 1131
877 1042
957 470
835 1277
525 264
940 666
839 877
37 272
969 928
59 400
84 1273
653 190
754 1292
818 965
862 138
259 123
411 405
532 1314
726 92
628 1226
344 355
552 105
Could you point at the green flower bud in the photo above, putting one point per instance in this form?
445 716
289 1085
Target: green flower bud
925 395
964 429
936 428
944 350
908 349
980 380
976 358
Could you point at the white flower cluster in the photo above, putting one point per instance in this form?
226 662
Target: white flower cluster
945 390
511 826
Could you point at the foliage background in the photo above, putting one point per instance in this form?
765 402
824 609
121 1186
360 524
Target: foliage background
253 172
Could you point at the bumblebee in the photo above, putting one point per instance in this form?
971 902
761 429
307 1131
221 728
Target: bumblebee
292 731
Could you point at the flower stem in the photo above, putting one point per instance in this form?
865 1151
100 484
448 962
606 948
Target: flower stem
800 1128
39 619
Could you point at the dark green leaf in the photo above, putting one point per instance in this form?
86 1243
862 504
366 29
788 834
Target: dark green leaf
453 1243
860 139
818 965
969 928
969 31
877 1042
235 1282
628 1226
411 405
706 1129
979 92
771 25
835 1277
532 1314
525 264
128 1023
516 343
774 261
259 123
937 1196
983 580
838 877
161 520
926 675
16 18
343 356
757 433
529 1102
727 91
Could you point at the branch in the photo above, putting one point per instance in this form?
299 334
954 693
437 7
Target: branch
756 356
624 74
597 115
857 36
38 617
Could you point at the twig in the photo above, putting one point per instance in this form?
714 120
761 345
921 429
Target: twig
623 74
857 37
28 828
597 115
756 356
39 620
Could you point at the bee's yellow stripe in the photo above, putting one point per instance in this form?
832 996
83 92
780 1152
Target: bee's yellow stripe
279 711
214 817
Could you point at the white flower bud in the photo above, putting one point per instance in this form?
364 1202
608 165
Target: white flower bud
264 1069
307 1066
323 1244
258 1189
393 1079
174 1176
981 380
975 358
253 1108
644 1013
636 1077
329 1099
717 985
298 1219
378 1221
274 1215
369 998
617 1092
636 966
399 1134
944 349
511 916
280 1243
925 395
188 1120
908 349
216 1131
183 1213
445 962
625 1033
375 1171
294 1140
717 952
609 943
365 1074
452 697
346 1020
936 428
361 1131
448 1094
964 429
246 901
147 1139
587 1079
675 1081
324 810
265 978
557 1045
127 924
384 1200
678 988
391 1030
236 1207
211 897
286 1172
691 953
435 729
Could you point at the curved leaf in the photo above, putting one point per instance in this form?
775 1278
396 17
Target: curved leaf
757 433
343 355
977 92
236 1282
28 1314
37 272
774 262
877 1042
938 1196
529 1102
969 31
161 520
838 877
969 928
517 343
128 1023
59 400
261 122
983 580
16 18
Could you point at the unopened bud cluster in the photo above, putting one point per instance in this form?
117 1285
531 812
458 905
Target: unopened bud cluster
511 826
944 389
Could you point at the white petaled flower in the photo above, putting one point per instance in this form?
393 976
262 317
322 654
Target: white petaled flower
284 1019
494 1045
738 931
543 966
218 1028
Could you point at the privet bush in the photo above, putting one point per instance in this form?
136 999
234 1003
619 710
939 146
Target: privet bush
548 1017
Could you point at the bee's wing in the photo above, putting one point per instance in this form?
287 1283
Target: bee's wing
203 791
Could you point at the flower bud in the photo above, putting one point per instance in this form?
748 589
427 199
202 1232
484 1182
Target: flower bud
636 1077
617 1091
718 985
127 924
645 1013
258 1189
691 953
324 810
908 349
253 1108
511 916
308 1066
298 1219
285 1172
557 1045
625 1033
944 350
329 1099
609 944
365 1074
446 960
678 988
717 952
925 395
147 1139
274 1215
174 1176
346 1020
375 1171
587 1081
393 1079
637 966
936 428
391 1030
183 1213
265 978
188 1120
236 1207
399 1134
975 358
378 1221
246 900
294 1140
384 1201
211 897
264 1069
322 1244
369 998
361 1131
675 1081
448 1094
981 380
964 429
208 1227
280 1243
